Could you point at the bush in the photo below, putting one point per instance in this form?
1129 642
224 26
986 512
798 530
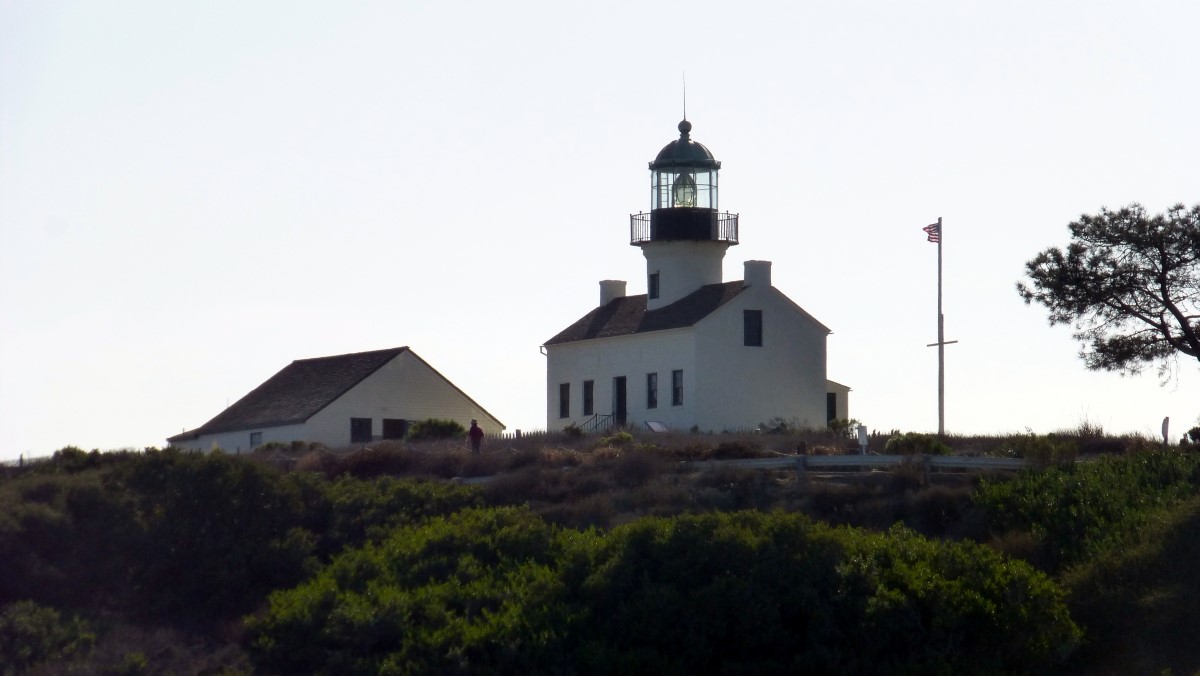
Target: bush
617 439
433 428
914 443
31 633
231 518
500 591
1075 511
1044 450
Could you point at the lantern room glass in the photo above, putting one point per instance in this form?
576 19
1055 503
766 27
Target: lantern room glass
684 187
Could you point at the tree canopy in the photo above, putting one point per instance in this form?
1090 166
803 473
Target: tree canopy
1129 283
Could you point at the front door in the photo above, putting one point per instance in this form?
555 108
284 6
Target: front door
619 401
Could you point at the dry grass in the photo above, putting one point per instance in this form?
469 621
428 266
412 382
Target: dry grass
602 481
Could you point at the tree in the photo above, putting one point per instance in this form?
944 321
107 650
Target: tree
1129 283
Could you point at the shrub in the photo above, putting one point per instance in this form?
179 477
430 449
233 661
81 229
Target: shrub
229 517
474 592
847 428
500 591
1075 511
433 428
636 468
913 443
31 633
617 439
1044 450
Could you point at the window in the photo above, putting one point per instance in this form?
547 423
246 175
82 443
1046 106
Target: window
255 439
677 388
394 428
752 327
830 406
564 400
360 430
589 387
651 390
652 286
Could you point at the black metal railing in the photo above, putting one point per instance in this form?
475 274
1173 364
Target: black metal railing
597 422
720 227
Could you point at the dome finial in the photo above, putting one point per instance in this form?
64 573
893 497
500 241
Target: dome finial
685 128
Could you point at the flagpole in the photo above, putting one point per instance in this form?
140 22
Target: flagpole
934 232
941 340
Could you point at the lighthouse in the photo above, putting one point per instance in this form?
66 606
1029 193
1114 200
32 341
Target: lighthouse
695 352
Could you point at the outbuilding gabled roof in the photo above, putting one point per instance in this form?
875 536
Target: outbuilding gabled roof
628 315
296 393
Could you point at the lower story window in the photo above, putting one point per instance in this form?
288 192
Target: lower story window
589 391
676 388
360 430
394 428
564 400
651 390
255 439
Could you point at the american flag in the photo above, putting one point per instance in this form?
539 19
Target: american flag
934 230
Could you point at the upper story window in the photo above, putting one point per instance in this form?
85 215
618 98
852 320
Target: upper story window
652 286
752 328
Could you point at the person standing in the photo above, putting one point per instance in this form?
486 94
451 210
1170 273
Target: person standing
476 435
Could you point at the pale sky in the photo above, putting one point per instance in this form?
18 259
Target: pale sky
194 194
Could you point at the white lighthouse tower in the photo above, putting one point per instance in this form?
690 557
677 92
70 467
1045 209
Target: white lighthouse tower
684 237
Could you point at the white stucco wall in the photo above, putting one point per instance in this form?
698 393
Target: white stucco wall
843 398
727 385
741 386
603 359
682 268
239 441
405 388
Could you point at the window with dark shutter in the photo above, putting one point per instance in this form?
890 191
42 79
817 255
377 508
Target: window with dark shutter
360 430
752 328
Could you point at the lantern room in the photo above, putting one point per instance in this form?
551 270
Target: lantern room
683 200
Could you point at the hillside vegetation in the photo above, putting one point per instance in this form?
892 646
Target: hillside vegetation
590 556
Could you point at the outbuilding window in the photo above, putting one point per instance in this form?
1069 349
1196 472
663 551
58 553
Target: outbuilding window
394 428
255 439
360 430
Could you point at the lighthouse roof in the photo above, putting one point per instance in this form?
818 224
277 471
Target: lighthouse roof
684 152
628 315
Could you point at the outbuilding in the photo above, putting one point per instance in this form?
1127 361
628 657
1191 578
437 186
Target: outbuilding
339 401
